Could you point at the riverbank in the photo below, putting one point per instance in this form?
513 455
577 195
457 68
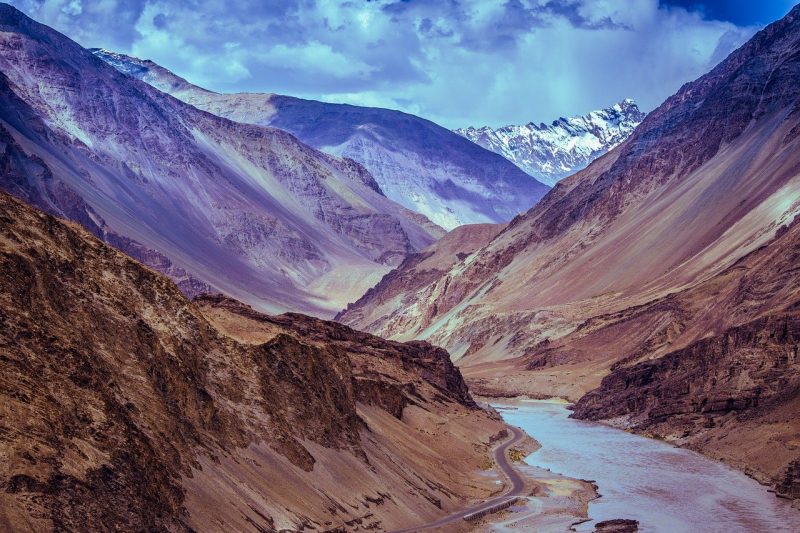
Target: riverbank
550 502
527 497
734 431
547 502
555 503
664 487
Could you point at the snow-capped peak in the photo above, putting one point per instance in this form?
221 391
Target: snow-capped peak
554 151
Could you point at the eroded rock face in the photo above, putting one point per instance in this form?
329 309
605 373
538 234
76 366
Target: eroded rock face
430 362
745 368
118 395
218 205
789 485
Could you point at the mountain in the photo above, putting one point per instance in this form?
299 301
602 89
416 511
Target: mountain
399 288
632 270
552 152
416 163
728 380
128 407
220 206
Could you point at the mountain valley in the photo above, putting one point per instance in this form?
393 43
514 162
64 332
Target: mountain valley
218 205
251 311
627 271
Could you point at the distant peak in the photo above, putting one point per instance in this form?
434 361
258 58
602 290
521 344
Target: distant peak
628 107
549 152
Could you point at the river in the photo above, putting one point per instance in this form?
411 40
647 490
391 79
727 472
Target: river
667 489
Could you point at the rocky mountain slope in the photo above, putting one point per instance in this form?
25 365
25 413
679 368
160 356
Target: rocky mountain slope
555 151
242 209
416 163
417 271
594 278
714 367
125 405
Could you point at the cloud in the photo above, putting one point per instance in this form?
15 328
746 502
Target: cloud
458 62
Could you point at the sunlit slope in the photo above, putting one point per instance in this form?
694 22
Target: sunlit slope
220 206
706 178
417 163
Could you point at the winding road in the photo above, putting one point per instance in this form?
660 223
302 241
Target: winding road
517 486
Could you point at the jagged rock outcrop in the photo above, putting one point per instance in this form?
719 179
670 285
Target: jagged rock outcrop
789 484
218 205
555 151
743 369
418 164
617 525
124 405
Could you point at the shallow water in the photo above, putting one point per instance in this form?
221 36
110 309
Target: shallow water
666 489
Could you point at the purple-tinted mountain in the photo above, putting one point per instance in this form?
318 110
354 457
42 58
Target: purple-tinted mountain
236 208
423 166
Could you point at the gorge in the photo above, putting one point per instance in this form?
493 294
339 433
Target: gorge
249 311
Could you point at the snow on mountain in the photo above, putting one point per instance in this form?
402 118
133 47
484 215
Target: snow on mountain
552 152
418 164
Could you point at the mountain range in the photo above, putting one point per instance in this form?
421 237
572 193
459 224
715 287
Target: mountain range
555 151
128 406
662 278
218 205
418 164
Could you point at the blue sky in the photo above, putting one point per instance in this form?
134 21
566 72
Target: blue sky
739 12
458 62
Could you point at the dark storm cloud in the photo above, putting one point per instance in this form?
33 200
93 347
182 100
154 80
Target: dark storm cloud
458 62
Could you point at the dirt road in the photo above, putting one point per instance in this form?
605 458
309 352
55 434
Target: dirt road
517 486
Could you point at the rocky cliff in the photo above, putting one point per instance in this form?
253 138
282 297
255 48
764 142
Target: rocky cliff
241 209
124 405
